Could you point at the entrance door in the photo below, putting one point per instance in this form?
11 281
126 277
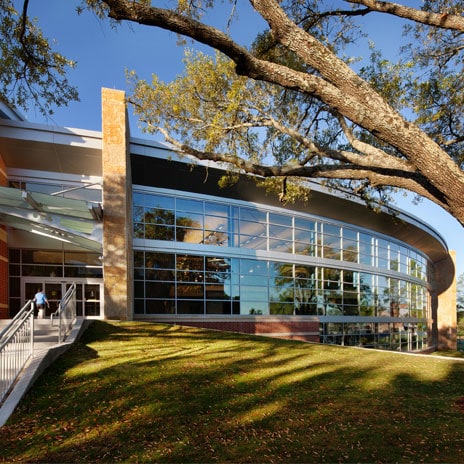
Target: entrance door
88 295
88 299
53 290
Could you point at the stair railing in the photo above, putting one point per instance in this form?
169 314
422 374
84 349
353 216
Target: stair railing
16 347
66 313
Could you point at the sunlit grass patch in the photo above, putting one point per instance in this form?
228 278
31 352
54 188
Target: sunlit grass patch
142 392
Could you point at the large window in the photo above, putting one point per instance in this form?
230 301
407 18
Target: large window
168 283
191 220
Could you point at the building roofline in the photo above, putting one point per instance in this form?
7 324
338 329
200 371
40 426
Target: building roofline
157 149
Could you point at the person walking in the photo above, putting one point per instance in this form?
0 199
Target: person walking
41 300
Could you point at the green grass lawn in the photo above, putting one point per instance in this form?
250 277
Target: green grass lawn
140 392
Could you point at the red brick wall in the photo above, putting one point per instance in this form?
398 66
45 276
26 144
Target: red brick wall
291 330
3 255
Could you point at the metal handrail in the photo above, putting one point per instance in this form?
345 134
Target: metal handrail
16 347
66 313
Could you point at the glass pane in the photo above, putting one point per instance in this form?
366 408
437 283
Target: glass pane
159 274
282 308
350 250
282 246
217 209
305 225
254 242
158 201
54 294
189 262
96 272
14 256
254 308
156 232
248 292
252 215
42 257
331 242
248 266
281 232
218 291
190 276
284 294
255 229
191 206
82 258
159 290
215 232
280 219
218 307
280 269
190 307
190 290
189 235
138 259
138 199
159 260
43 271
160 306
92 299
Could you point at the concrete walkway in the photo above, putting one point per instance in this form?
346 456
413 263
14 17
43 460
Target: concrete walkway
46 351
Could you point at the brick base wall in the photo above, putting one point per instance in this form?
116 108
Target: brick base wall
307 331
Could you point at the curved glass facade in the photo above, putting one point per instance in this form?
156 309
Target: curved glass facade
208 256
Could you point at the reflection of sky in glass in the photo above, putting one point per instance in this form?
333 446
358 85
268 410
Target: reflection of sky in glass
218 224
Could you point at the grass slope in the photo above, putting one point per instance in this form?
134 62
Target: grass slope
141 392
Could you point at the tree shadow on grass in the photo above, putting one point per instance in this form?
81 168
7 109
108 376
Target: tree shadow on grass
142 392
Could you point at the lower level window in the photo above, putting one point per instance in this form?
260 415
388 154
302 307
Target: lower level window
169 283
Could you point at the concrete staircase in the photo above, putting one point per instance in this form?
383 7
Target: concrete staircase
45 335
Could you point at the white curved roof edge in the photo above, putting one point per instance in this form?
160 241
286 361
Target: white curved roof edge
54 134
7 112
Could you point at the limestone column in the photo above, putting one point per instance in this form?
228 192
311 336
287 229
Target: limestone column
117 208
446 312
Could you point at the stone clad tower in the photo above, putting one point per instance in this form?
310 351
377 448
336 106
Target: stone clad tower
117 207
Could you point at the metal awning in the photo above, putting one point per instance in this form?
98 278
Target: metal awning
68 220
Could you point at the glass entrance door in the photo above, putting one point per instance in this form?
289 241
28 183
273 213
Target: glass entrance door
88 295
53 291
88 300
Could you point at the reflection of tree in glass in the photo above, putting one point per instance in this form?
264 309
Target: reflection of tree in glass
184 225
416 269
366 298
391 298
297 286
218 269
159 266
331 252
218 272
162 224
305 290
350 254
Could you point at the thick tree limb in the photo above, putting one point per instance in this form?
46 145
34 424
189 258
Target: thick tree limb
381 176
338 86
443 20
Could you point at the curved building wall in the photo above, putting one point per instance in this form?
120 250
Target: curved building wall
208 257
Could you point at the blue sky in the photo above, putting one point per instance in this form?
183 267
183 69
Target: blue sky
103 54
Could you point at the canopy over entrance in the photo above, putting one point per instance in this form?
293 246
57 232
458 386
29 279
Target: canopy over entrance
68 220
